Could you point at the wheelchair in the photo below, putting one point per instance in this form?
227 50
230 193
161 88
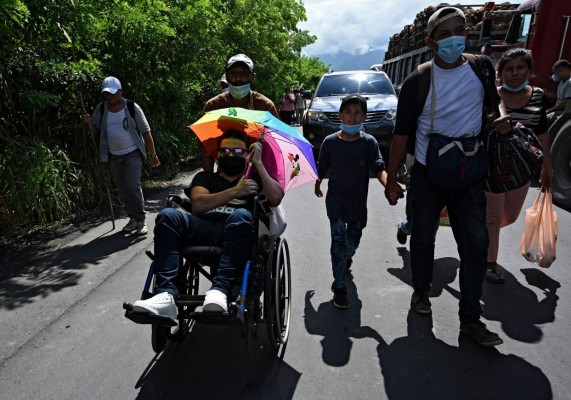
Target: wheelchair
264 291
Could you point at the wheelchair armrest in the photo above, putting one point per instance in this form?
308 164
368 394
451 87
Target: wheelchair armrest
262 206
174 200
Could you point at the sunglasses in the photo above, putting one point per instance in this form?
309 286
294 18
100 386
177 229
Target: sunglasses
236 152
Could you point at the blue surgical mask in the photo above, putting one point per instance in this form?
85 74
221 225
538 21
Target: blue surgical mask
451 48
239 92
555 78
516 89
352 129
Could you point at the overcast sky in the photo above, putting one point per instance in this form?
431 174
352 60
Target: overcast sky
357 26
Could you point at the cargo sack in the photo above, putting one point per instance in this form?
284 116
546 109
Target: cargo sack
513 159
540 233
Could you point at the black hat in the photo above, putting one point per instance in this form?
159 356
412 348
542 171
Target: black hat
354 98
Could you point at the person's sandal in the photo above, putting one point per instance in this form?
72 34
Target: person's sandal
494 275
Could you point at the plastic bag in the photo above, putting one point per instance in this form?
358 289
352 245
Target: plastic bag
278 221
540 233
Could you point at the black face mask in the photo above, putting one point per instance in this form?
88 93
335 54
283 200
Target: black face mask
232 166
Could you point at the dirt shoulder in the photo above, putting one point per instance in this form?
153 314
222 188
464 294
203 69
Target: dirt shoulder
17 253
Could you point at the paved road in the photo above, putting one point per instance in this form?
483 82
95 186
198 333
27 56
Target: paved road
64 335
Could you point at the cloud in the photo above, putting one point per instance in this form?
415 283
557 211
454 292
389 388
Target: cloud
357 26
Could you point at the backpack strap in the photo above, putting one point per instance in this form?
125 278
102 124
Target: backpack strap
130 108
484 70
423 71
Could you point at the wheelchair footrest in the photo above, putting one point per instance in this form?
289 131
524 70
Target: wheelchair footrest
213 317
148 318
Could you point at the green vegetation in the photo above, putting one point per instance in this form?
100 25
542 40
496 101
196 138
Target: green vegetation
168 54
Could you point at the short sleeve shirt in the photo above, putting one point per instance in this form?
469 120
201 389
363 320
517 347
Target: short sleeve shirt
215 183
564 91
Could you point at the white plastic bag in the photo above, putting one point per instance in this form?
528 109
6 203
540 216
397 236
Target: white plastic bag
278 221
540 233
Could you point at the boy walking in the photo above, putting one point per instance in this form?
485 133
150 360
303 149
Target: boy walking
348 155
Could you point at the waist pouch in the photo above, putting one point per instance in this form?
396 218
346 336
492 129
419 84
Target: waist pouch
453 163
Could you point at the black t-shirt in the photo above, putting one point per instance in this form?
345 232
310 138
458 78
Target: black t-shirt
215 183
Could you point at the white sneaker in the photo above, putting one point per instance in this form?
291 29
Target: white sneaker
215 300
160 304
141 228
131 225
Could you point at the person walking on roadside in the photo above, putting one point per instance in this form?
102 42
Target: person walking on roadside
348 155
454 108
562 75
239 75
125 138
287 106
299 106
525 104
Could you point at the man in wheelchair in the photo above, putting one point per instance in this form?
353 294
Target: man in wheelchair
221 216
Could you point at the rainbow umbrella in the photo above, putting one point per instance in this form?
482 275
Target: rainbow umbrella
286 154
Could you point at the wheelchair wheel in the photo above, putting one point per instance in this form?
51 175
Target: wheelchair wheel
277 295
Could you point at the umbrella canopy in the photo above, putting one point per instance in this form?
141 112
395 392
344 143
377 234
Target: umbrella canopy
286 154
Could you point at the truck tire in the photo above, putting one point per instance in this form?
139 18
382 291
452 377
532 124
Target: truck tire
561 161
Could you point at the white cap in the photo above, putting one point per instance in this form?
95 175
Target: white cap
241 58
223 79
111 85
436 18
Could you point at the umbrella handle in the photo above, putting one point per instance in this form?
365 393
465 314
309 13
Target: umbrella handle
248 170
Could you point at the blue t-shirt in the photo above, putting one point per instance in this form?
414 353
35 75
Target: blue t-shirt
348 164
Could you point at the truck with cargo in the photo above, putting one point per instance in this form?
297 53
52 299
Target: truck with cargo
542 26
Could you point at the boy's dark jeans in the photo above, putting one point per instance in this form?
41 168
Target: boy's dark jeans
467 212
345 238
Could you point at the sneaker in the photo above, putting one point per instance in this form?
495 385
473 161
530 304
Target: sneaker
477 330
420 302
160 304
402 232
142 228
215 300
131 225
340 299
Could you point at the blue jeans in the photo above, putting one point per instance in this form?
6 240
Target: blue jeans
345 238
126 170
467 212
175 229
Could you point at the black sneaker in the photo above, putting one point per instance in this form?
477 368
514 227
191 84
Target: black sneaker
420 302
340 299
401 234
477 330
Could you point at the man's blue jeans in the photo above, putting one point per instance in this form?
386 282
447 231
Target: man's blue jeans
175 229
126 171
467 212
345 238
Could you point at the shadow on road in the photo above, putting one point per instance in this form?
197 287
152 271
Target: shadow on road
55 270
211 363
336 326
42 270
518 308
514 305
420 366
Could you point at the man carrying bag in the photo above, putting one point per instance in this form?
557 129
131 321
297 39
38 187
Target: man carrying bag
453 112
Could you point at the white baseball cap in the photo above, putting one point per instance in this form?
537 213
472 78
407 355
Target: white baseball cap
111 85
437 18
241 58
